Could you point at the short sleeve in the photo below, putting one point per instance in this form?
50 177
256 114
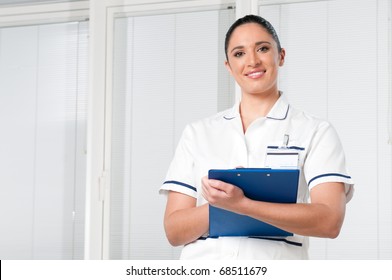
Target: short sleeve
180 176
325 161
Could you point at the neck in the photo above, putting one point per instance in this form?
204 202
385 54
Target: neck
253 107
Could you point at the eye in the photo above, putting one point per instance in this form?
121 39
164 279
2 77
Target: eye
263 49
238 54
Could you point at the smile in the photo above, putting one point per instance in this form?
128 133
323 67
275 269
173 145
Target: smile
255 74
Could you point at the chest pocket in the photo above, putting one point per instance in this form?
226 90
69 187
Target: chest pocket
284 157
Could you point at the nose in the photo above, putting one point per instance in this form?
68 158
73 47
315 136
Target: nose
253 59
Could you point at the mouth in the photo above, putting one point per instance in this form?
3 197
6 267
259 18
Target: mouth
255 74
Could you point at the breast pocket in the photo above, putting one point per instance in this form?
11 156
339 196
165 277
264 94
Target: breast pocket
284 157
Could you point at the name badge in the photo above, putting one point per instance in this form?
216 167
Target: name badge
283 157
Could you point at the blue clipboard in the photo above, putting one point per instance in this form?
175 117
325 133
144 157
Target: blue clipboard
263 184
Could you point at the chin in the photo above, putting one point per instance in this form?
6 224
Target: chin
259 92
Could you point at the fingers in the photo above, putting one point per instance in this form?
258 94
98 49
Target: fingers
219 193
211 190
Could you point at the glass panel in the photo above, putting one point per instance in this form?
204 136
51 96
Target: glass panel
43 81
168 71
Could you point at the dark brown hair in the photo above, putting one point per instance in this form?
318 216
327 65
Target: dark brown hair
252 19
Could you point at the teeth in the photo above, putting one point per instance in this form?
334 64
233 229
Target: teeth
255 74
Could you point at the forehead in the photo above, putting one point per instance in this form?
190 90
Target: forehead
249 33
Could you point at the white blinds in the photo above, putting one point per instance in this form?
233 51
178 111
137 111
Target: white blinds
337 68
168 71
43 78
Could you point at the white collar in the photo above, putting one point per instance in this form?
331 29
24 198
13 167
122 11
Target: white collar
278 112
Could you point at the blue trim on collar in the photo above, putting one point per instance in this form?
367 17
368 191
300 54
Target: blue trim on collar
229 118
181 184
234 112
277 119
329 174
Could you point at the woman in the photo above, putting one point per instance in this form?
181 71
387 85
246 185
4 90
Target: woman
243 136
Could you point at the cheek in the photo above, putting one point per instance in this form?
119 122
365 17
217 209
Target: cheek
235 66
274 66
235 71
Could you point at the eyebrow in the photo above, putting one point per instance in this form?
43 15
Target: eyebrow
256 44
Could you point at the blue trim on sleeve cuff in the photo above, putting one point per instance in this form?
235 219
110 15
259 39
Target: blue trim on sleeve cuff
181 184
329 174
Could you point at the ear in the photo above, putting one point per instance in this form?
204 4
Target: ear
282 55
228 67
